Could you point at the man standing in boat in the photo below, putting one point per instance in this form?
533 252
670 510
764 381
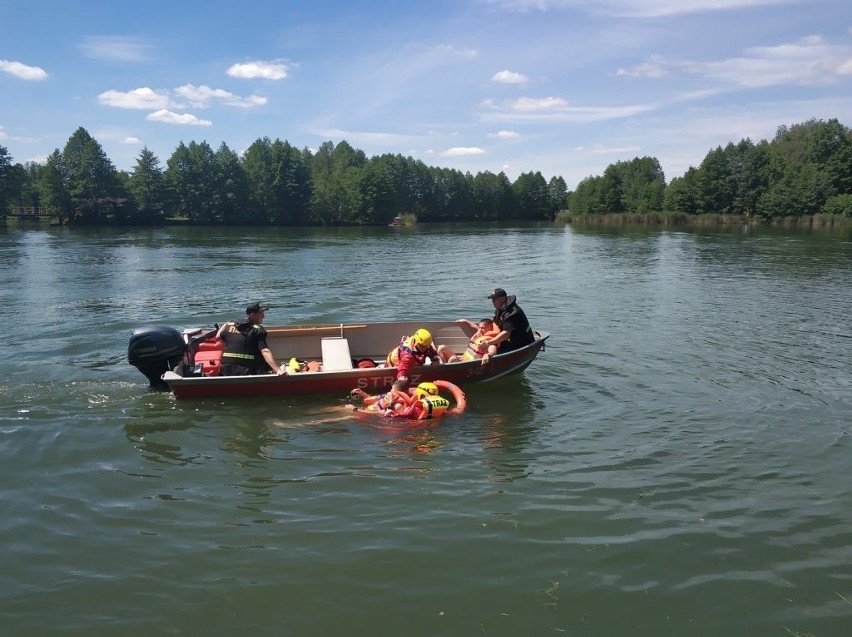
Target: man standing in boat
515 331
246 351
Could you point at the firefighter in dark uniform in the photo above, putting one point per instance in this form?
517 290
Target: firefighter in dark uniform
515 330
246 351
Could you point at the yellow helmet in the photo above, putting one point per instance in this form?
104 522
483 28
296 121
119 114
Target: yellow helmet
421 337
426 389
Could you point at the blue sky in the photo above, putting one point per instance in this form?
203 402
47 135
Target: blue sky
564 87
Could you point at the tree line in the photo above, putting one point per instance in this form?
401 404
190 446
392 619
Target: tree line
272 183
805 170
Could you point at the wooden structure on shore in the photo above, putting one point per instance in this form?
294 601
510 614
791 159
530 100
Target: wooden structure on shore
33 212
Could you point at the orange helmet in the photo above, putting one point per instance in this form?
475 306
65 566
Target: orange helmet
426 389
421 338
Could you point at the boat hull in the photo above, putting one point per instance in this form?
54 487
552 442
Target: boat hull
366 341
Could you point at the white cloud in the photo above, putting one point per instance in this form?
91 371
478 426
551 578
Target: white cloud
139 98
365 137
202 96
462 151
457 51
600 149
808 61
637 8
117 136
556 109
528 104
168 117
23 71
3 133
509 77
505 134
653 68
116 48
259 69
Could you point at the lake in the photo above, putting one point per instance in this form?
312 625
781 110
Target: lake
676 462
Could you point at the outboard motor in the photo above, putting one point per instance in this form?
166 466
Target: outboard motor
154 350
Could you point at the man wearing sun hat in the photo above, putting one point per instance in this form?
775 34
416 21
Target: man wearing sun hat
515 330
246 351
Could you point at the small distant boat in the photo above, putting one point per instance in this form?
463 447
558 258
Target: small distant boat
188 362
397 221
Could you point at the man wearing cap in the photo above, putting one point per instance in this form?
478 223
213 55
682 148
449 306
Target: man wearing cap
246 351
515 330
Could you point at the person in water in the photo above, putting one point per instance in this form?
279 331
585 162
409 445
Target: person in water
246 351
427 404
421 403
477 347
412 351
515 331
391 402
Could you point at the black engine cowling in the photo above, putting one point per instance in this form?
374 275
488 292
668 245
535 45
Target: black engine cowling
154 350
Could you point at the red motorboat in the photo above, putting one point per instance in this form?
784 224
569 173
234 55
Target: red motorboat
187 362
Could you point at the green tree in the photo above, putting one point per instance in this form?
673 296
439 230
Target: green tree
91 177
532 196
493 197
231 194
557 195
681 194
377 194
53 186
336 175
279 178
716 184
191 175
148 188
6 186
840 205
588 197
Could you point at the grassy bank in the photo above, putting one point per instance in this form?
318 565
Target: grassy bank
681 219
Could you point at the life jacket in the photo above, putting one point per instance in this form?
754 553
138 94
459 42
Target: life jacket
383 402
243 340
406 346
295 366
476 347
389 400
429 407
399 404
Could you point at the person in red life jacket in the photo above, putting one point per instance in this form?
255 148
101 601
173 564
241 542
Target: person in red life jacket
515 331
412 352
477 346
421 403
387 404
427 404
246 351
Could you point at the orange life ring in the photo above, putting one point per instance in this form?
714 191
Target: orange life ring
457 393
407 402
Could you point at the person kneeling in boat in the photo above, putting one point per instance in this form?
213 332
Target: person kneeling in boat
412 351
246 351
478 347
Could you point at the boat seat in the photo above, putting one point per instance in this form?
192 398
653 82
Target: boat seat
335 354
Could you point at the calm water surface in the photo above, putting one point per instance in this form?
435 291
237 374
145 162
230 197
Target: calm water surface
677 462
